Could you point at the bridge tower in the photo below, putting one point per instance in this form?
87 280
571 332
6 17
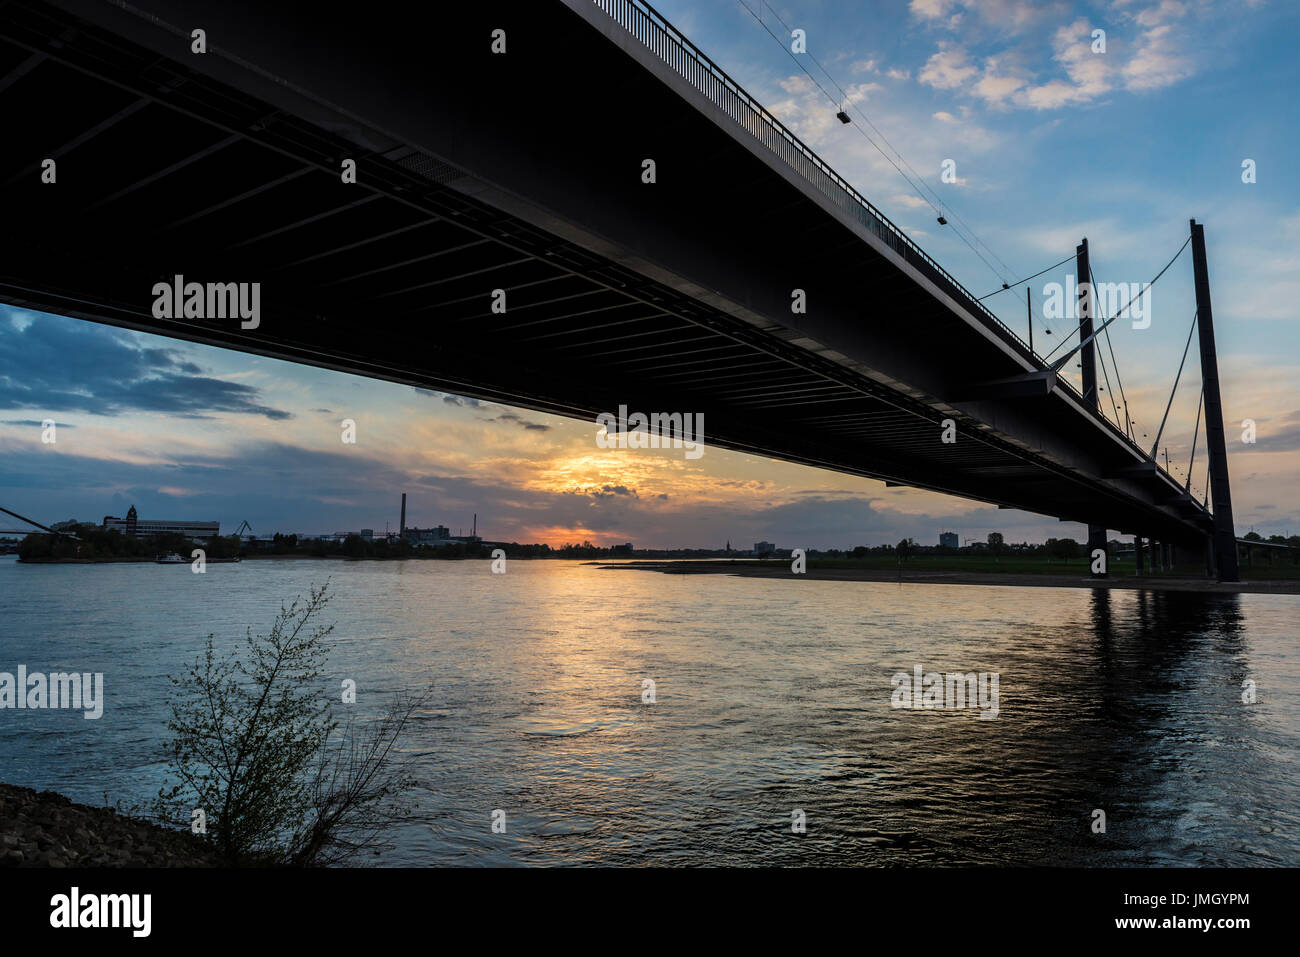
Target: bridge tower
1088 360
1225 535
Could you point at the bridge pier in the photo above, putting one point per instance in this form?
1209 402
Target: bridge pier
1139 556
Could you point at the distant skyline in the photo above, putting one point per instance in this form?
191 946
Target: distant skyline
1049 145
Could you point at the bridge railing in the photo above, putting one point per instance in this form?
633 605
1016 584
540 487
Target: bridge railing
647 25
660 37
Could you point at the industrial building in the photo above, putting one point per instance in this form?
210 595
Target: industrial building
135 527
438 535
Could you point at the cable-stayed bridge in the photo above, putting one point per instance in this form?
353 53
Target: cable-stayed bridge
499 236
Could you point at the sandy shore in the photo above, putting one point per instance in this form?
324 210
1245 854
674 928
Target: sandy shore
781 569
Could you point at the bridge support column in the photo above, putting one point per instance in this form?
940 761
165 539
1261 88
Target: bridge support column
1139 556
1225 535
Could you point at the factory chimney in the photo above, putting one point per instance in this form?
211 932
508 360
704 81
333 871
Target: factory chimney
474 531
401 528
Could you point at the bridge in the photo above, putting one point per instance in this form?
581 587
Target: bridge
469 210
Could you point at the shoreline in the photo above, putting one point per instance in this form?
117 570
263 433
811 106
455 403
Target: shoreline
912 576
47 829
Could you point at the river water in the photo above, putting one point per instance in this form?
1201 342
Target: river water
771 697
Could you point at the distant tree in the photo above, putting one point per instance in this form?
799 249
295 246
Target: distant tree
860 551
36 546
1065 548
217 546
995 543
354 546
1253 536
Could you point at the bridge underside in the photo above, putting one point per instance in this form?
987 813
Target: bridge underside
521 172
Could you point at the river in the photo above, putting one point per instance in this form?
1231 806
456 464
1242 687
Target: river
770 698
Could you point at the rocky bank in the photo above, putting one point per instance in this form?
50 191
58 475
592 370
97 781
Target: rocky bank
48 830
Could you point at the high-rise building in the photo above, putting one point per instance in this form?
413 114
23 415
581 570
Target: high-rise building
949 539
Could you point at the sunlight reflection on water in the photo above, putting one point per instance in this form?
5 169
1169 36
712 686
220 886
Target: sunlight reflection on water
770 696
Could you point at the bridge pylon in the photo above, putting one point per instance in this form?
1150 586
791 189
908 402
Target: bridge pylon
1225 536
1088 361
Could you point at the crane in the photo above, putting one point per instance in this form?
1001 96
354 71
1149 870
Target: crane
243 525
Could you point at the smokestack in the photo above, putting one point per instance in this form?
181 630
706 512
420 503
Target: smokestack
401 528
474 531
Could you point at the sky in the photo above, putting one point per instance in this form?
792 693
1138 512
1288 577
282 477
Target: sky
1049 140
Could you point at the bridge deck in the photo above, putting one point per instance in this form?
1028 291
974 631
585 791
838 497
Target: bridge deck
479 171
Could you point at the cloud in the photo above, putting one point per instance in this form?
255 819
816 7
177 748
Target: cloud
460 400
948 69
1004 16
520 421
35 423
931 9
613 491
68 365
910 200
1157 62
1155 50
1283 437
871 66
